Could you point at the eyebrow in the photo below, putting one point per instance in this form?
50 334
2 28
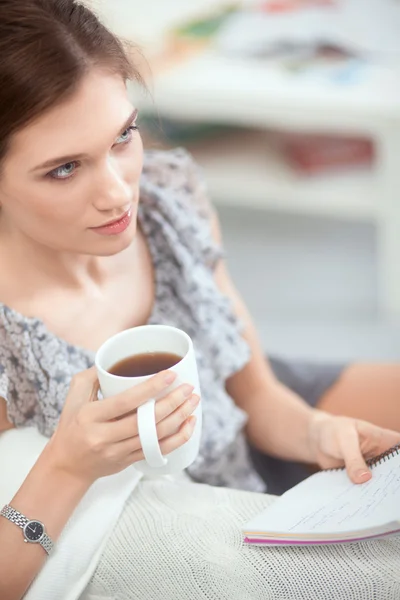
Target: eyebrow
61 160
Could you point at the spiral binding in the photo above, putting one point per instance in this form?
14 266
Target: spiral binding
375 461
381 458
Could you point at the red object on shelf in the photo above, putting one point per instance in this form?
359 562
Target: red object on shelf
280 6
312 154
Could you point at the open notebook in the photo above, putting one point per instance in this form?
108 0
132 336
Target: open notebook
327 508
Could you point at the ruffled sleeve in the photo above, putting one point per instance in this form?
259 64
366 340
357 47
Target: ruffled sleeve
175 215
36 368
177 220
16 381
3 383
181 179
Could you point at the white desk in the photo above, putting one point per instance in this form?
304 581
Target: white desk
211 88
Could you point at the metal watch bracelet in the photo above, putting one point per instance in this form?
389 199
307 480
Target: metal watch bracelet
21 521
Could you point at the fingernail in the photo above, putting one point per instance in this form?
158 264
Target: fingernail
194 400
169 376
191 422
187 390
363 474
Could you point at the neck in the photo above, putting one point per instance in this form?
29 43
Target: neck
48 265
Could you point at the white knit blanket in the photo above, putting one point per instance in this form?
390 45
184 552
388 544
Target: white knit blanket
183 541
78 550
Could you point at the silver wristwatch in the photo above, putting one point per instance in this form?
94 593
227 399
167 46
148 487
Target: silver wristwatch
34 531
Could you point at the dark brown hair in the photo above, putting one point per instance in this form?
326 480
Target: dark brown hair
46 47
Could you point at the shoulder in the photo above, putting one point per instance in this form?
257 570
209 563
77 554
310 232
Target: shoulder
177 171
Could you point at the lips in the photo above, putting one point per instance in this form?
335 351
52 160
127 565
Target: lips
115 227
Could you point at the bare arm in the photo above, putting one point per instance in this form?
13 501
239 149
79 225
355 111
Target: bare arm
93 439
279 420
49 495
281 423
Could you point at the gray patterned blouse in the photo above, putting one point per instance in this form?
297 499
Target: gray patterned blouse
36 366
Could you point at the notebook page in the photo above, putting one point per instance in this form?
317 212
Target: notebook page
329 503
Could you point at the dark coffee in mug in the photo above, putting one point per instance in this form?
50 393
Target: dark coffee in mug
147 363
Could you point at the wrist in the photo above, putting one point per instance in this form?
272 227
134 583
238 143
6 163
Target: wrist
317 420
52 465
49 493
60 461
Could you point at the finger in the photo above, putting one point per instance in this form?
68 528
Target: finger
375 440
349 443
127 427
126 402
167 445
168 405
390 439
174 421
83 388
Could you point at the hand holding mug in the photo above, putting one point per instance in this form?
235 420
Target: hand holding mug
98 438
146 348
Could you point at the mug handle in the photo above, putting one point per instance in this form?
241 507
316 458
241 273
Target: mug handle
148 435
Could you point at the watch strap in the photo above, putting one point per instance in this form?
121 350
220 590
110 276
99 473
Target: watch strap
20 520
14 516
47 543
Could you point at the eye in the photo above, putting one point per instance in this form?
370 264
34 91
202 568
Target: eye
126 135
65 171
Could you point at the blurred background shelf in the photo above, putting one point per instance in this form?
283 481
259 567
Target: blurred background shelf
256 92
246 169
207 88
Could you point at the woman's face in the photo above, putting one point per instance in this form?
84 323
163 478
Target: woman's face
75 170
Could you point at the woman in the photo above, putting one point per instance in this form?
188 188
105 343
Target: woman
80 260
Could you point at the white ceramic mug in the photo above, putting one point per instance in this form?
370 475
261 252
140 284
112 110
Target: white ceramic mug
139 340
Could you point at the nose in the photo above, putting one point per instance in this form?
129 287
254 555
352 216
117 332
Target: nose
112 191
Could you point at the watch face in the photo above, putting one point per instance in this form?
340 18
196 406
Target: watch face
33 531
